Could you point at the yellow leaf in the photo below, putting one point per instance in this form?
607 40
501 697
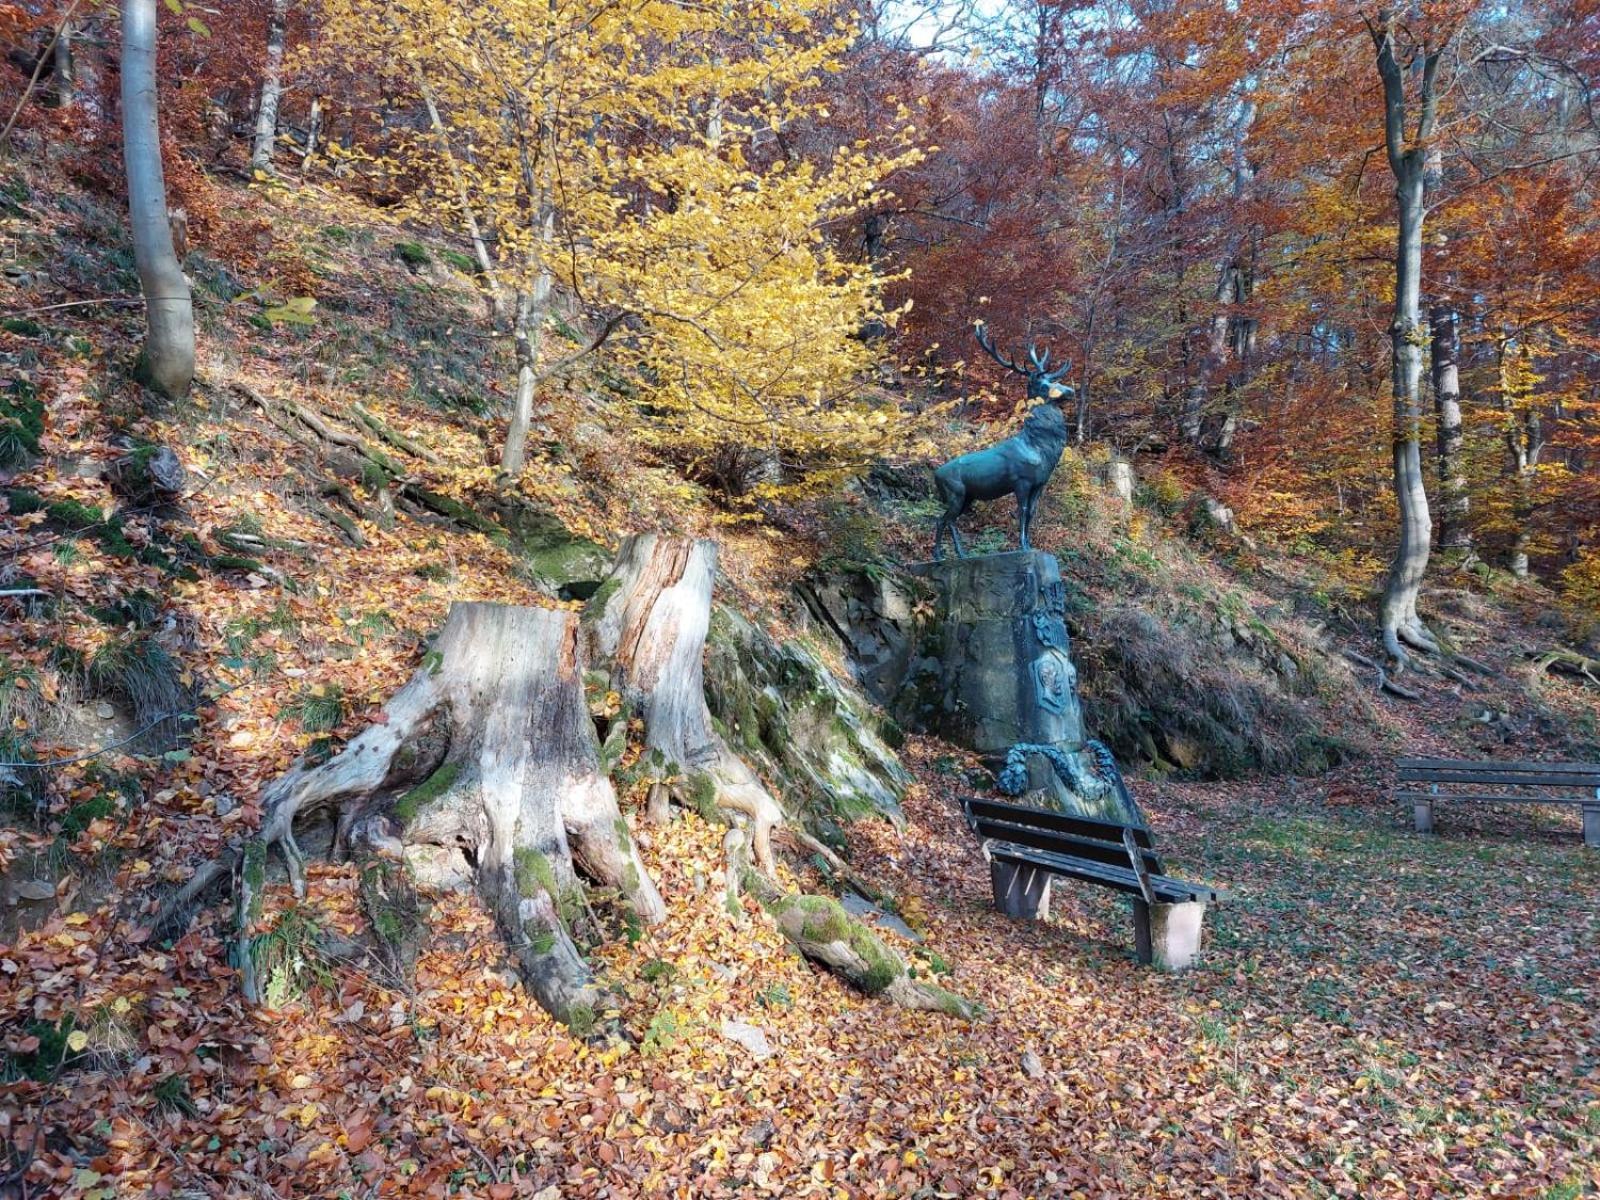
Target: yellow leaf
77 1040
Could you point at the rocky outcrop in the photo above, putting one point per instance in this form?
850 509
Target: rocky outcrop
872 615
787 714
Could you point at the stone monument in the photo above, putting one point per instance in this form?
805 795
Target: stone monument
997 675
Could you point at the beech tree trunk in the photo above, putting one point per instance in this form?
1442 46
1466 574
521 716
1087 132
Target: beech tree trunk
66 69
271 89
167 361
469 216
313 129
1453 503
1524 435
533 306
1401 623
648 622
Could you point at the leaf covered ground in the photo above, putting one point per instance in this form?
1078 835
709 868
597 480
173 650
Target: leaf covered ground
1376 1015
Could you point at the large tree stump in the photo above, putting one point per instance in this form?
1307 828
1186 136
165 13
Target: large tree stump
482 772
648 623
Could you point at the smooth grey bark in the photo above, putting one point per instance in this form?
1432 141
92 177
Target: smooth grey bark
65 68
469 215
533 308
167 361
1454 505
313 130
1444 324
1523 431
271 89
1401 625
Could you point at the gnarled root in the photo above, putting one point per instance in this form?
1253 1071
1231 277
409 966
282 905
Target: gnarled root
820 929
481 773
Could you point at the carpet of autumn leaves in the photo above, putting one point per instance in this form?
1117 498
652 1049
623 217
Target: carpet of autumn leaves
1375 1015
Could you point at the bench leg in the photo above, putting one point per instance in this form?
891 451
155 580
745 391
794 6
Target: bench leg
1168 935
1591 825
1141 932
1020 890
1422 810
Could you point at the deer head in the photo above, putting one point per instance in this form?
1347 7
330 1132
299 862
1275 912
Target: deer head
1043 383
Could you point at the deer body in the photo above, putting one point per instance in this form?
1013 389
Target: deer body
1020 466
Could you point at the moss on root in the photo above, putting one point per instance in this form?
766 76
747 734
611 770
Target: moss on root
410 805
534 873
701 792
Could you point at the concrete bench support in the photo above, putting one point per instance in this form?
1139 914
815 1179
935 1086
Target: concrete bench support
1020 890
1591 825
1422 810
1168 935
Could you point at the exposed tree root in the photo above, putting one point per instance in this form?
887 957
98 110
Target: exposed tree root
822 931
1386 683
482 772
392 436
1568 662
287 414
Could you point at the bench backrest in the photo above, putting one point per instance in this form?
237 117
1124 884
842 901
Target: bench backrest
1062 833
1510 774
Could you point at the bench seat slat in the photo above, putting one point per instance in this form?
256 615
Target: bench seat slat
1166 889
1525 768
1495 798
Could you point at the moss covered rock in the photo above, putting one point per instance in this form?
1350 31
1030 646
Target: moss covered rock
787 713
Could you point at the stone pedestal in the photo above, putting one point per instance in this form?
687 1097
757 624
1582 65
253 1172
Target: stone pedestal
997 671
1168 935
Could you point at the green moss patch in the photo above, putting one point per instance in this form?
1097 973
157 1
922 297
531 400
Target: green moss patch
410 805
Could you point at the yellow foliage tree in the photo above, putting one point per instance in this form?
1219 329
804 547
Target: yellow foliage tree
634 156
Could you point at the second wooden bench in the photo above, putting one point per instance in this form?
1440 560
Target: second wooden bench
1427 782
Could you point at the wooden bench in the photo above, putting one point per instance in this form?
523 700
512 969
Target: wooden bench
1487 783
1027 846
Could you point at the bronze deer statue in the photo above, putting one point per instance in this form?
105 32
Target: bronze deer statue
1021 465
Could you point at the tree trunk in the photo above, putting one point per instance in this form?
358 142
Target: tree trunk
533 307
481 773
1192 417
66 69
648 623
167 361
313 129
469 216
1525 440
271 89
1398 608
1453 502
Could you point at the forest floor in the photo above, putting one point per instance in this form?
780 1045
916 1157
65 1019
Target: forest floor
1376 1014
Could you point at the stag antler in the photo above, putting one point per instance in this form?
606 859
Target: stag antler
1039 368
987 342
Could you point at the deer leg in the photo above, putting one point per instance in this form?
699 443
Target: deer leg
1024 516
955 539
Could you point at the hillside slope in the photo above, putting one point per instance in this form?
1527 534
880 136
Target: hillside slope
1372 1016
